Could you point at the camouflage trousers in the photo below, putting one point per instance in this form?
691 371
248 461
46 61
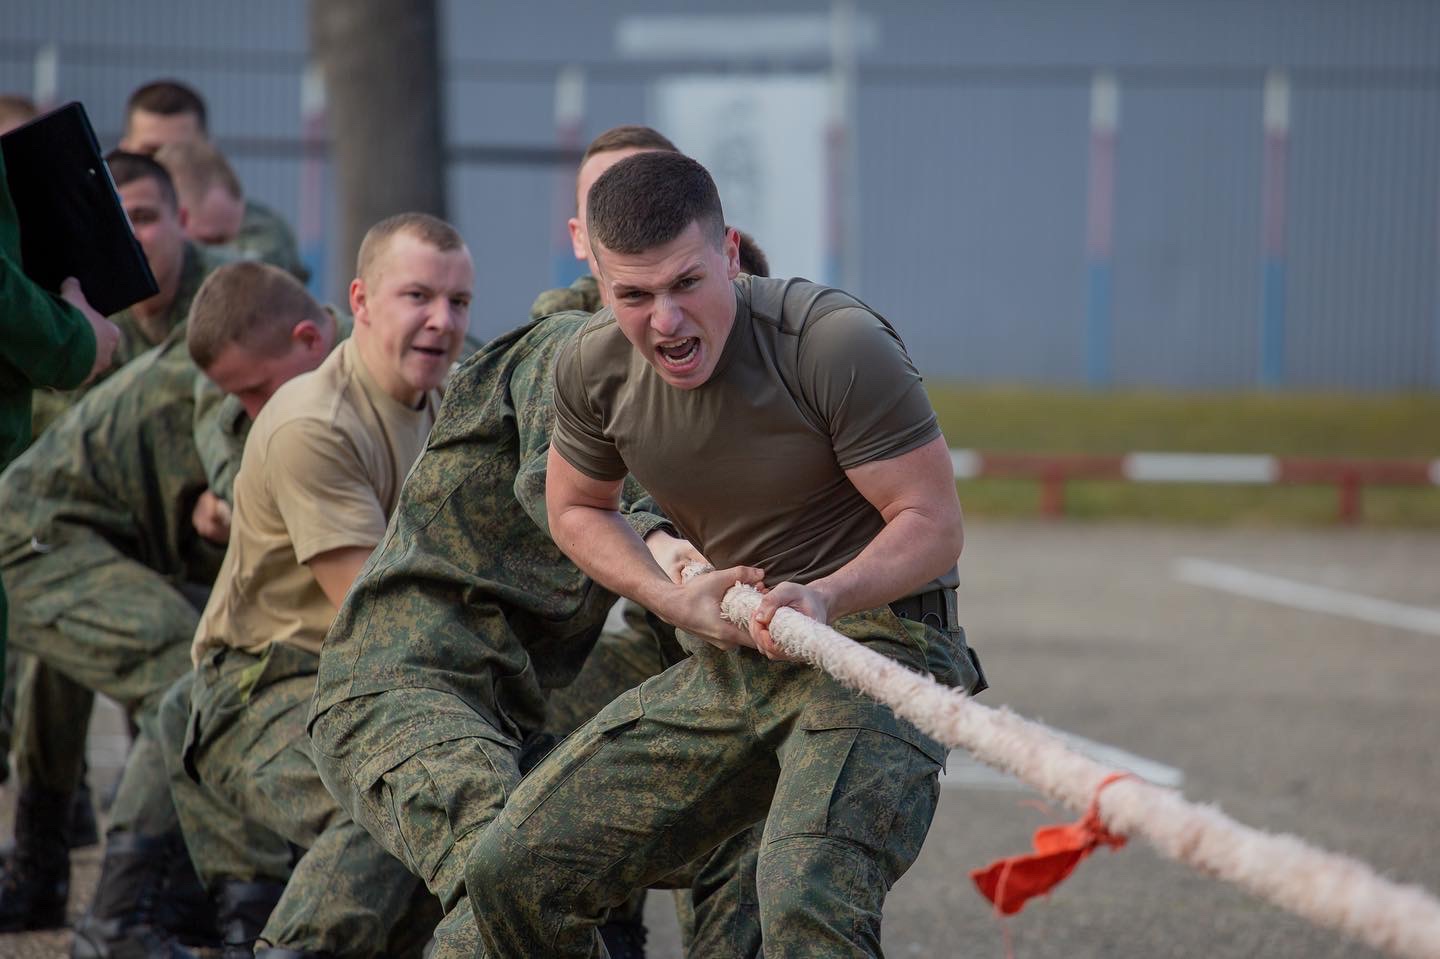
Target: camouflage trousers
94 621
845 789
424 771
247 792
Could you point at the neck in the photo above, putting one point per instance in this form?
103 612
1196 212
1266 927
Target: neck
384 377
152 313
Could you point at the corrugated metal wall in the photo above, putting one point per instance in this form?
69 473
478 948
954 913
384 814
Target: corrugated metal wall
974 121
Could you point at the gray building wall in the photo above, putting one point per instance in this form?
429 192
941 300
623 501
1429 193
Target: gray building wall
974 154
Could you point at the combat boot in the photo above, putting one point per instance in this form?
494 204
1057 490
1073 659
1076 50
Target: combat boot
624 938
120 923
244 908
36 883
81 829
184 909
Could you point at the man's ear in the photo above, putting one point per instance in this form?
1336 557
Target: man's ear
308 336
357 300
579 242
732 252
182 215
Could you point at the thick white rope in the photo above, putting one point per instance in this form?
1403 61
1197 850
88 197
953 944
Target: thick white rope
1327 888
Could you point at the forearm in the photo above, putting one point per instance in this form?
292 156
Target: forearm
603 544
913 549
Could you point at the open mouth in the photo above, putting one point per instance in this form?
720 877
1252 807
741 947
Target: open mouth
434 351
679 354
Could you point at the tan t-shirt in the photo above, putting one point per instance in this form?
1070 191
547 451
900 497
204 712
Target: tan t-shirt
750 465
322 469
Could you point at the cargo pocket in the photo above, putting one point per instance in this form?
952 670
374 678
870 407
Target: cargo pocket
856 773
439 795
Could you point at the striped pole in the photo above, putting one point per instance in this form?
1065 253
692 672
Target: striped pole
1100 225
311 222
47 77
569 129
1273 191
842 234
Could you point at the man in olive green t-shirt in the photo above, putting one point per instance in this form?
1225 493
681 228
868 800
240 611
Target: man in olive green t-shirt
743 408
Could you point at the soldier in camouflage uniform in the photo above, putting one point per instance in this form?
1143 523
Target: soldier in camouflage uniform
97 542
50 707
167 112
148 195
245 757
693 364
434 679
99 536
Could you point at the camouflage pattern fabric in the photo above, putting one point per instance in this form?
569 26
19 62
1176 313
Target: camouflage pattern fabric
685 760
97 539
440 662
247 748
582 296
265 236
199 262
221 425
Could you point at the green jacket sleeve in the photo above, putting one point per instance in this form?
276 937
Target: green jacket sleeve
44 341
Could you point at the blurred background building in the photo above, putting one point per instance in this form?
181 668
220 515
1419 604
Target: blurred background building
1216 194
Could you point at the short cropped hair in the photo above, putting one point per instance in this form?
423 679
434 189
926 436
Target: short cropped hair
168 98
250 303
15 110
649 199
752 259
129 167
631 136
428 229
197 168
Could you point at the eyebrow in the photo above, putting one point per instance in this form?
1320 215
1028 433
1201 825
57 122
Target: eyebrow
621 289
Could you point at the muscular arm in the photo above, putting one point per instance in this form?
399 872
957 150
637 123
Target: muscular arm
335 570
923 535
583 515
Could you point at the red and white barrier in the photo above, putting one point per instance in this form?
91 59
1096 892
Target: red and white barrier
1054 470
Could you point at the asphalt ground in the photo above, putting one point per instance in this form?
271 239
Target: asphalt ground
1318 721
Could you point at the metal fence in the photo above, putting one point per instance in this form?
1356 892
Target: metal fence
1198 194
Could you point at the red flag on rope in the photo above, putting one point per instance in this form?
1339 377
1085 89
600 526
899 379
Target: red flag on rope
1010 883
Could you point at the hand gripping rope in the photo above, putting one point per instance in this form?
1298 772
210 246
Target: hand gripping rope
1327 888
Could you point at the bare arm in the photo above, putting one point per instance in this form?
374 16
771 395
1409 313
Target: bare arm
923 535
335 570
584 520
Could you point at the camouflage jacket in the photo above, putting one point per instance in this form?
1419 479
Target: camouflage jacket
122 465
199 263
467 593
265 236
582 295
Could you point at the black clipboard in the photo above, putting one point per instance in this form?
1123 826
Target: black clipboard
71 219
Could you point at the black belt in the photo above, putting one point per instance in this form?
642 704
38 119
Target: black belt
938 609
935 608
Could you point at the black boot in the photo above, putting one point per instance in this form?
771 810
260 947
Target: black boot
121 922
80 829
623 938
36 883
184 909
280 952
244 908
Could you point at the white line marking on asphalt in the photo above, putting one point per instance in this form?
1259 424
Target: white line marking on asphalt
1317 599
966 773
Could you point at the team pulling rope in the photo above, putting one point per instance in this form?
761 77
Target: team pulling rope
1327 888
